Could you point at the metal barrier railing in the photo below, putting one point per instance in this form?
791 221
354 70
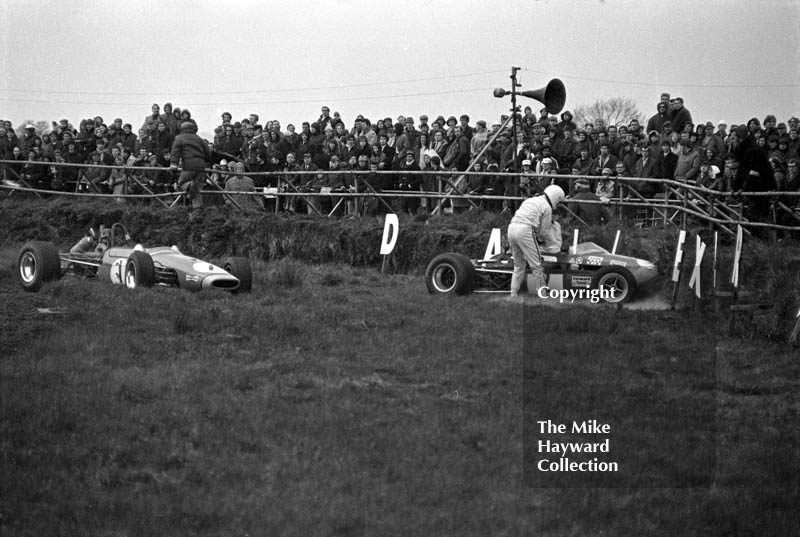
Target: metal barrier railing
677 199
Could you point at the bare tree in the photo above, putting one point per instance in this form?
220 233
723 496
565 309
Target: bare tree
614 111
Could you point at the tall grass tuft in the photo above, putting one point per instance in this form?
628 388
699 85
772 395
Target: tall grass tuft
287 272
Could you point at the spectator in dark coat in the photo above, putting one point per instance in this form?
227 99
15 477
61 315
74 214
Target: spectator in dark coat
647 167
754 174
410 183
168 119
591 213
680 115
566 122
656 122
192 153
667 160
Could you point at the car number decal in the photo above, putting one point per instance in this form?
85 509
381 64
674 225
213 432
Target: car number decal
117 273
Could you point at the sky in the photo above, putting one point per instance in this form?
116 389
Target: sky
729 59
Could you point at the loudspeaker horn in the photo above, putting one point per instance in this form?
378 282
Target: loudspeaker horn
553 96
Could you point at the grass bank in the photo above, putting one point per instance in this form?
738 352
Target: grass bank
771 272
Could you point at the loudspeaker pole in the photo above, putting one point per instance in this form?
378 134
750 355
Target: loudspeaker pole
514 86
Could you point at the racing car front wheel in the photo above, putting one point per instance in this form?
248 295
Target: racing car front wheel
615 283
38 263
450 274
139 271
240 268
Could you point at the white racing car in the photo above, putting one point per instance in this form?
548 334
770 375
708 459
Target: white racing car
131 266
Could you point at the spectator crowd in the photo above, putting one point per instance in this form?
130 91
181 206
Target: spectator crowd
540 150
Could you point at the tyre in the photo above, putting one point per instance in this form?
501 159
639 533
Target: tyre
38 263
240 267
450 274
617 280
139 270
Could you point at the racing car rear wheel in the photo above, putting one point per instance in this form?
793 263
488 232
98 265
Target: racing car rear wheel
139 271
38 263
240 267
616 284
450 274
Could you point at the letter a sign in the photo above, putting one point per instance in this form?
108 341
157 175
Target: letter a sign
495 245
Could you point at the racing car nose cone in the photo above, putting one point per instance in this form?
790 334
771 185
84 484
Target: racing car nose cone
220 281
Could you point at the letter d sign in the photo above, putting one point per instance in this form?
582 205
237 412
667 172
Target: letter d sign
390 229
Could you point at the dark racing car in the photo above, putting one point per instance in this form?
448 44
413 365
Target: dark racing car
591 267
131 266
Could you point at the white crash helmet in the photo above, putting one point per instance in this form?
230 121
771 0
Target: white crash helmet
555 194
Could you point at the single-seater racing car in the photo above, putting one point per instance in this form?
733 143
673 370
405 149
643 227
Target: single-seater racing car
590 267
131 266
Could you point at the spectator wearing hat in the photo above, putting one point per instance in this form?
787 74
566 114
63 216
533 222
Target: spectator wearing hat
409 182
606 186
479 139
712 140
28 139
407 140
528 183
552 165
628 155
591 213
687 168
770 122
548 168
239 182
710 177
666 132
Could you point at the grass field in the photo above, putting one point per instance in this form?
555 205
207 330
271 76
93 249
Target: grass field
337 401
